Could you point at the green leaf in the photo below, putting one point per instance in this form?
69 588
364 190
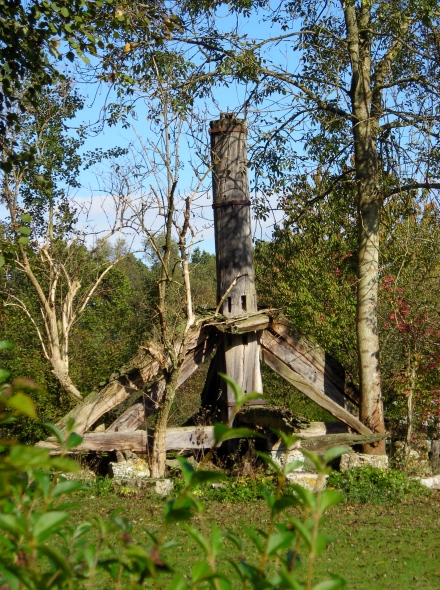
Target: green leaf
289 467
268 459
200 571
278 541
4 375
4 344
73 441
23 241
236 389
200 477
48 523
82 529
24 230
313 458
64 12
2 260
68 487
179 583
306 496
24 457
248 397
328 499
255 538
65 464
216 541
25 217
14 525
303 531
335 452
187 469
334 584
290 581
23 404
223 433
235 539
55 431
283 503
199 537
289 440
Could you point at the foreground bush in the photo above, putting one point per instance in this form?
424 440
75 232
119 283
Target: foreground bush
39 550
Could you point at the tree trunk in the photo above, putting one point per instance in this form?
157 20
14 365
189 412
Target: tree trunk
369 204
158 454
412 373
61 371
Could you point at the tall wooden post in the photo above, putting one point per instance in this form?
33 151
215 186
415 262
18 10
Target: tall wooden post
233 242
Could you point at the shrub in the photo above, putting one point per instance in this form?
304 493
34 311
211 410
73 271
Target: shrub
376 486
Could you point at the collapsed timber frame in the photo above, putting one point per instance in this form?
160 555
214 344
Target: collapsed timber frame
238 336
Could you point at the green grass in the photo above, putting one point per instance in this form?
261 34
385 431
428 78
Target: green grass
392 546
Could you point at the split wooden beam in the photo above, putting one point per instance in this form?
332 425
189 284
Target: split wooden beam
286 337
177 439
130 420
253 322
286 364
141 373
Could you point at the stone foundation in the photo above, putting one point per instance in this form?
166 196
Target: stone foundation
352 459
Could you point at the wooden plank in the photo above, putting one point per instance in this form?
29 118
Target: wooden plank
283 350
252 323
317 356
130 420
178 439
319 444
317 395
272 417
140 373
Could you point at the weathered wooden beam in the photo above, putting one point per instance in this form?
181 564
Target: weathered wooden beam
236 294
319 444
140 373
178 439
255 322
308 386
317 356
130 420
285 350
278 418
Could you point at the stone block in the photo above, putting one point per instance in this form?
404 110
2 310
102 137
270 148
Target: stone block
352 459
278 453
131 469
310 481
431 482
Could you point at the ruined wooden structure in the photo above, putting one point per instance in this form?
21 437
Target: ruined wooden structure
236 339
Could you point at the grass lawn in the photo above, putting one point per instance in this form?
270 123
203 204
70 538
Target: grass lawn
373 547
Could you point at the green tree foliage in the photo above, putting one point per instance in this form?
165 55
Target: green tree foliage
410 317
362 68
309 269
